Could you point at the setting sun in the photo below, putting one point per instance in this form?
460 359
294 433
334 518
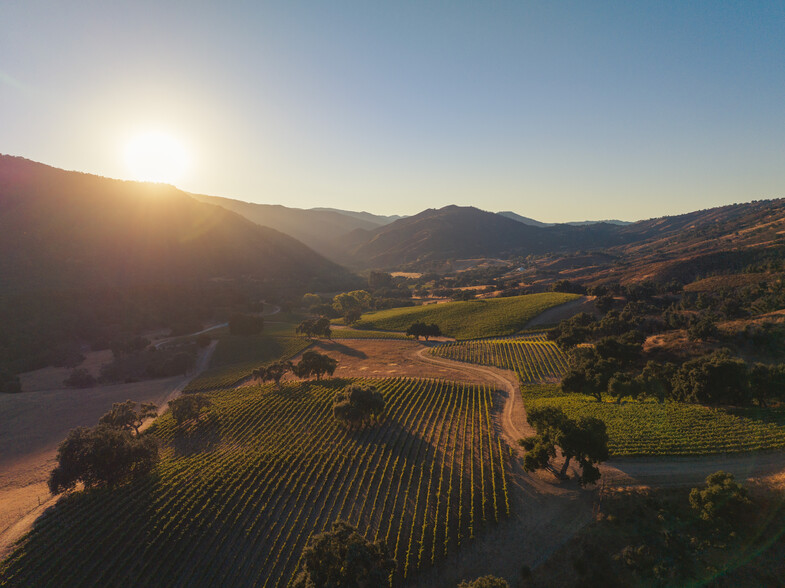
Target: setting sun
156 157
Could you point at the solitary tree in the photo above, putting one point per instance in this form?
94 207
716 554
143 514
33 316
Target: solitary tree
188 406
80 378
356 404
311 327
101 456
722 499
343 558
274 371
585 440
420 329
316 364
125 416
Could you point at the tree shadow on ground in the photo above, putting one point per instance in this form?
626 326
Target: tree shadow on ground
342 349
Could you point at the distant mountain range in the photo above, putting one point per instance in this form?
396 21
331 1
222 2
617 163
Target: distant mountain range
535 223
106 239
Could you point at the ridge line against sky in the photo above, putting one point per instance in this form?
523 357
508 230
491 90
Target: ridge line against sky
559 111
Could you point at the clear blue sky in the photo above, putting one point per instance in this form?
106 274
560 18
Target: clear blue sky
555 110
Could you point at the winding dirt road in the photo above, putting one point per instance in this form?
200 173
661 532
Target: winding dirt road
625 472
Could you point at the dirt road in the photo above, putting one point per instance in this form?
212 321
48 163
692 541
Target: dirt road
33 424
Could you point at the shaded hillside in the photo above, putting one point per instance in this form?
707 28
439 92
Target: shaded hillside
535 223
68 229
317 228
683 247
459 232
86 258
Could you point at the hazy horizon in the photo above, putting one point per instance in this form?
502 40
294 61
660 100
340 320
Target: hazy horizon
556 112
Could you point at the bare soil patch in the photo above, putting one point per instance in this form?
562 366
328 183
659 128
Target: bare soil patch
51 378
372 358
32 425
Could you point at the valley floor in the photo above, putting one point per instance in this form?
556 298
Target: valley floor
32 425
546 511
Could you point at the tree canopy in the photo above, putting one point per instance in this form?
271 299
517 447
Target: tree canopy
188 406
585 440
420 329
101 456
357 404
342 558
275 371
316 364
124 415
721 499
318 326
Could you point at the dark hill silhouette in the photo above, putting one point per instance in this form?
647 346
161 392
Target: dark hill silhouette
90 260
60 228
465 231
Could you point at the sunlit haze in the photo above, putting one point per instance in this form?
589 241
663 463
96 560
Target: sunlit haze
156 157
555 110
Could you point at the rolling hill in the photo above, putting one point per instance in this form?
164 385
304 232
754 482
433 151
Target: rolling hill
318 228
470 319
68 229
85 257
683 247
465 231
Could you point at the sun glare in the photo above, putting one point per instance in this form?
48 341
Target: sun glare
156 157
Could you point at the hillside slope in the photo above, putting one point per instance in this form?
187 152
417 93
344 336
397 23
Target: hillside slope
683 247
68 229
317 228
86 259
465 231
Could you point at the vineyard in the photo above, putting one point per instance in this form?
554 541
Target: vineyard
493 317
532 357
236 495
365 334
647 427
636 427
236 357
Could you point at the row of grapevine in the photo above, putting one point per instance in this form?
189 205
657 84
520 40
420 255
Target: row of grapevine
236 496
534 358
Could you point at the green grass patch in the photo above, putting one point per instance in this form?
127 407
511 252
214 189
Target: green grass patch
671 428
280 329
471 319
365 334
236 357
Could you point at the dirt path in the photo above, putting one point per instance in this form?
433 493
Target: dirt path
513 418
32 426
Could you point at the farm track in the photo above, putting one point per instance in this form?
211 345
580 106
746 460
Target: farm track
16 530
627 472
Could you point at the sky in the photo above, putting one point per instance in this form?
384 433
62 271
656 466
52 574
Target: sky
559 111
